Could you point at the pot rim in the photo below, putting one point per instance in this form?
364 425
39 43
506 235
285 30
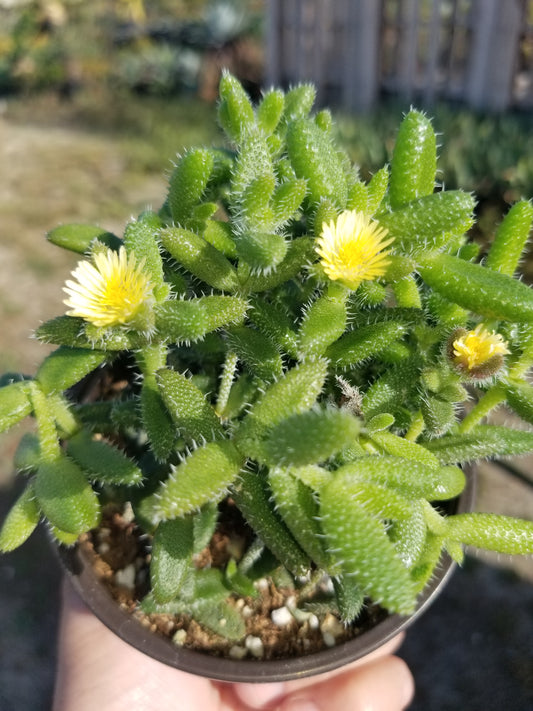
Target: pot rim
124 625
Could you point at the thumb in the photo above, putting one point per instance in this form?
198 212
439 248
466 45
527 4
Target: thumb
384 685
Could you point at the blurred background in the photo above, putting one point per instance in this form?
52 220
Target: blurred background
97 98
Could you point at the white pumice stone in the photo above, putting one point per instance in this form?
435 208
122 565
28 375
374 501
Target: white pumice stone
329 639
247 611
313 622
237 652
255 646
281 617
179 638
126 577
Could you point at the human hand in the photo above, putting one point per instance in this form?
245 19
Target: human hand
97 671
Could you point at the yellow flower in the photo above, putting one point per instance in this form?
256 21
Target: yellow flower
351 249
479 352
109 292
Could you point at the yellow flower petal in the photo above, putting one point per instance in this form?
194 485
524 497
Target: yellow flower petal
351 249
475 348
110 291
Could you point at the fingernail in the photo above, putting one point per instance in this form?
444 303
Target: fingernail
258 696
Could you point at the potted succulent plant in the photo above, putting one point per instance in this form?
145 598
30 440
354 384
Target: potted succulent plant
252 429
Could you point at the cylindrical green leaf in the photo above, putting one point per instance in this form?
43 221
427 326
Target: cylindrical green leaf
429 222
235 111
192 414
262 251
188 183
323 323
66 497
219 234
359 540
474 287
365 342
205 476
21 521
200 258
519 395
481 442
102 461
15 404
181 321
300 251
298 507
78 237
310 437
253 499
172 550
256 351
502 534
315 159
299 101
414 160
511 238
158 425
270 110
140 237
376 189
411 478
287 199
66 366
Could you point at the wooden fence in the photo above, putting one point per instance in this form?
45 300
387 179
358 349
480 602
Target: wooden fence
479 52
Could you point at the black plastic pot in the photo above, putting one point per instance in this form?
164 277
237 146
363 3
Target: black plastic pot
99 600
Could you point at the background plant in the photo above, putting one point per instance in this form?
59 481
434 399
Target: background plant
319 382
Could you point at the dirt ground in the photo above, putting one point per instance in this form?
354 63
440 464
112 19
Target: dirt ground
61 174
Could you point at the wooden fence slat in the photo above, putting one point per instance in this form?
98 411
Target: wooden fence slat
463 49
360 76
496 32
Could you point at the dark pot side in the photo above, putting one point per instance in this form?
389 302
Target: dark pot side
99 600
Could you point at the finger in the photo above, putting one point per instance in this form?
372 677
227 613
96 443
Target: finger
259 696
384 685
97 670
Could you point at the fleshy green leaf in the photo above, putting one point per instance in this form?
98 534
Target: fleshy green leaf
203 477
192 414
253 499
15 404
172 550
481 442
140 237
510 239
78 237
323 323
310 437
315 159
102 461
66 497
256 351
430 222
474 287
235 111
364 342
66 366
414 160
298 507
503 534
410 478
359 542
200 258
187 185
21 521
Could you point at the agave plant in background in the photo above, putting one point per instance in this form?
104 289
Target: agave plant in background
286 369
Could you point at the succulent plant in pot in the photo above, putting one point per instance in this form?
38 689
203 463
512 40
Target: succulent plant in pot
263 394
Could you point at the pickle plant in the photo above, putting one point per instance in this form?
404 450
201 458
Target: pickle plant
316 351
